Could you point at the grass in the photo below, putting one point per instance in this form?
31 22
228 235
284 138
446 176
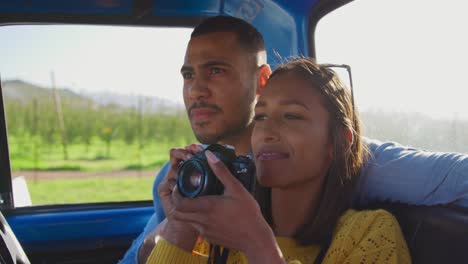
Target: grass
26 155
90 190
94 158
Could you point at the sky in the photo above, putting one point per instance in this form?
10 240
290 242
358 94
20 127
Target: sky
124 60
405 56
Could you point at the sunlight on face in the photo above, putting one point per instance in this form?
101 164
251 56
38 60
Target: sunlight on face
290 140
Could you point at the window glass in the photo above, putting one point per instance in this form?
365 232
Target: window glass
408 62
91 110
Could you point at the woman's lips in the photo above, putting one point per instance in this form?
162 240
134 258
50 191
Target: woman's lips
271 154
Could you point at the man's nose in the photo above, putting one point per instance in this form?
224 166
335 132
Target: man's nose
199 89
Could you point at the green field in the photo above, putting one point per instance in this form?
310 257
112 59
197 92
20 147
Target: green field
25 155
85 161
89 190
64 151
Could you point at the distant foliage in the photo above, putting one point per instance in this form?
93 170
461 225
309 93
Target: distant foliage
85 120
417 130
34 132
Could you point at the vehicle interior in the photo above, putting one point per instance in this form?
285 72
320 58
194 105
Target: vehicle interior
101 232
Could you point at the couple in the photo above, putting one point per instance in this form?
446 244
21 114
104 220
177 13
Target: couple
224 70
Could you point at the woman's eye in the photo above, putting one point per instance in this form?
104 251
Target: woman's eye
259 117
293 116
187 75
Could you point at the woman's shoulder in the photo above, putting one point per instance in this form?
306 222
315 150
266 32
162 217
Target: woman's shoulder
368 235
367 222
365 216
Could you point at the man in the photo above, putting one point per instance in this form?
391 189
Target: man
224 70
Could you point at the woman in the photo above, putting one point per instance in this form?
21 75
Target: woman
307 148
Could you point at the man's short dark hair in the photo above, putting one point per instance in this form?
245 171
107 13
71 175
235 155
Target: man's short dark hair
249 38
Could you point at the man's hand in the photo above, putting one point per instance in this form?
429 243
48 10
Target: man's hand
178 233
233 220
149 243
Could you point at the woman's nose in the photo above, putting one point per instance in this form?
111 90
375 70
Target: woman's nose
270 131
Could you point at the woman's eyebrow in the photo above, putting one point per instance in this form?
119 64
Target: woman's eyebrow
260 104
293 102
284 102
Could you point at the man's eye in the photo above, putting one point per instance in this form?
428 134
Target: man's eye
293 116
215 70
260 117
187 75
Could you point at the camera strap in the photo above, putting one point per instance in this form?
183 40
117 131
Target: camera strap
218 254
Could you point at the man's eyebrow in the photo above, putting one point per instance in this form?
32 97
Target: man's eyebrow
215 63
186 68
207 64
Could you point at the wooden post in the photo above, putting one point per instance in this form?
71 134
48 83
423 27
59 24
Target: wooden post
58 110
35 139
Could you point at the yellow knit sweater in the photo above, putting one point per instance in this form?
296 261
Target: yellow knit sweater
359 237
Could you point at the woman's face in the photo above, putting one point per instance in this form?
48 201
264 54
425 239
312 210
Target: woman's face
291 140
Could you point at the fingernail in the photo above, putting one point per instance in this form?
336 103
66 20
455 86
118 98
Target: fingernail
211 157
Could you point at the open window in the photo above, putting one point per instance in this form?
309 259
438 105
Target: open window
408 62
91 110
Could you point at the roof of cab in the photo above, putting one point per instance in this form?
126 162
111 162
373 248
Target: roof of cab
286 24
154 7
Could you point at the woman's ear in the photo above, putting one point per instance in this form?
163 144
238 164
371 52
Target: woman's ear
263 75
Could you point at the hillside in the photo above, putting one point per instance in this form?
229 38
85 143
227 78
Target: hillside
24 92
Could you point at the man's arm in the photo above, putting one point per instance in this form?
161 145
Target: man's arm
398 173
131 256
158 209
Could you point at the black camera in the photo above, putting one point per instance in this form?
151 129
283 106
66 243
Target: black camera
195 177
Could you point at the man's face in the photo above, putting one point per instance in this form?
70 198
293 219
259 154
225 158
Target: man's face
220 80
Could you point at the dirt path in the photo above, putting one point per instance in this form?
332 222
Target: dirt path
42 175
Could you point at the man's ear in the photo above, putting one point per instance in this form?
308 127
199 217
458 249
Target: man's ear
263 75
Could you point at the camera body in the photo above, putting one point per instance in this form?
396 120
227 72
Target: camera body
195 177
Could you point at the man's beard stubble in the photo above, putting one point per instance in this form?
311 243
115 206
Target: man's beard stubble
231 132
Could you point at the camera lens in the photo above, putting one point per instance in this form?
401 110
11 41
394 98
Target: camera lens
195 180
191 179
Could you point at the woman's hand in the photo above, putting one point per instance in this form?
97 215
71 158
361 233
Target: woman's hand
233 220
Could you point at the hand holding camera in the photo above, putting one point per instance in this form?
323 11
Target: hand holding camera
195 177
227 215
176 232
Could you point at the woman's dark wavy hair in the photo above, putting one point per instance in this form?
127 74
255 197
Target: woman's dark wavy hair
338 187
